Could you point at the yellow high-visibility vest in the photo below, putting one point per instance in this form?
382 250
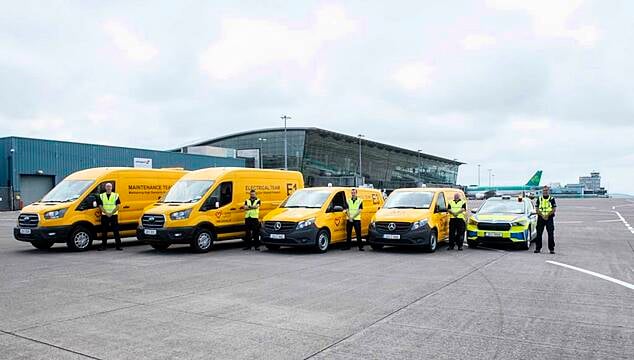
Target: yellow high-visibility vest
109 204
545 206
353 208
454 207
255 213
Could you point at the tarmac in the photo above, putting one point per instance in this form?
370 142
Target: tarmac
485 303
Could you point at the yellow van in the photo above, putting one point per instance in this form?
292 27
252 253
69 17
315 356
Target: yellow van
205 206
413 217
69 213
314 217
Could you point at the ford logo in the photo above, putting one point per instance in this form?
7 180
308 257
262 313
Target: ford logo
391 226
277 226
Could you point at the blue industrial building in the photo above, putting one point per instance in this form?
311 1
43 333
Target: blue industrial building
31 167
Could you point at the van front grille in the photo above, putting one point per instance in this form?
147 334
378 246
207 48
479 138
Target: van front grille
28 220
280 227
393 227
153 221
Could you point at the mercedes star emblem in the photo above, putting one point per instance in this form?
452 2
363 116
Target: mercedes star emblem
278 225
391 226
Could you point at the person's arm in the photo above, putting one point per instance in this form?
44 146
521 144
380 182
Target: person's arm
554 204
463 209
116 208
100 204
245 206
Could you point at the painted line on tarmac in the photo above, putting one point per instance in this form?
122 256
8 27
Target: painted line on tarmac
570 222
609 221
601 276
627 225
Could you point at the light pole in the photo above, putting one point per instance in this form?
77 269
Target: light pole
490 177
420 165
493 179
284 117
478 174
360 171
261 140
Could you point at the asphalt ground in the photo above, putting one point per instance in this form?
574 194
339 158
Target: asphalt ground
292 304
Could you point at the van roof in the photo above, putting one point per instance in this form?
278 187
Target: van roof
214 173
95 173
340 188
428 189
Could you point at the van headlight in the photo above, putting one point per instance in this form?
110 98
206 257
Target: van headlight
55 214
373 225
519 223
306 223
180 215
419 224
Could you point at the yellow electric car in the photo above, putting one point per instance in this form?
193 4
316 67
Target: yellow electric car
503 221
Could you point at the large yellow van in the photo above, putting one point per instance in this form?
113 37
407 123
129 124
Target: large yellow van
205 206
315 217
413 217
69 213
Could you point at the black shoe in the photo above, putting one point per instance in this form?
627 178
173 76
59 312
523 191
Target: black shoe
361 249
552 252
120 249
256 248
537 251
246 248
460 248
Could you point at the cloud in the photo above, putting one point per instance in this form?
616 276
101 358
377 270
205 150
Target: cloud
551 18
478 41
131 44
414 75
246 44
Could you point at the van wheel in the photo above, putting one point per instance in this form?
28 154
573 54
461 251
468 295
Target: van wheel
203 241
160 246
42 244
322 241
433 242
472 244
272 247
377 247
80 239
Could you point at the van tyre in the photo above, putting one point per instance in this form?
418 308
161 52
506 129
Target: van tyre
80 239
376 247
272 247
42 244
160 246
323 241
433 242
203 241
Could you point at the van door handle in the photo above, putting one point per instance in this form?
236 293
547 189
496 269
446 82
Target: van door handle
232 209
126 207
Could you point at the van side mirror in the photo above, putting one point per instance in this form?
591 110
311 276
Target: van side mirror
474 211
337 208
210 203
217 205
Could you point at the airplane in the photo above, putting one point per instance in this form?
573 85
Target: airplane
484 192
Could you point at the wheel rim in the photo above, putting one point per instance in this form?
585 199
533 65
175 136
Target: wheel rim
204 240
81 240
433 242
322 242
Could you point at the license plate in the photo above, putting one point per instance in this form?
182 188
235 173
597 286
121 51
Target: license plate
391 236
25 231
149 232
493 234
278 236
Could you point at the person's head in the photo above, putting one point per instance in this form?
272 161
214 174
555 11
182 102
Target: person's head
108 188
253 194
545 191
456 196
353 192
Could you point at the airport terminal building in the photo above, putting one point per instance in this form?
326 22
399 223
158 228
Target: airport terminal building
328 157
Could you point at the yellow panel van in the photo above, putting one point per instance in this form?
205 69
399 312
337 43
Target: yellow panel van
413 217
315 217
69 213
206 205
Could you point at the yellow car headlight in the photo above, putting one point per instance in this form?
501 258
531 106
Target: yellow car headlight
520 223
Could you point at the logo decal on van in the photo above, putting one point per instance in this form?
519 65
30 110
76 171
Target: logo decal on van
337 221
219 214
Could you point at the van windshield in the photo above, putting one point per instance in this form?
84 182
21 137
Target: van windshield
502 206
409 200
312 199
187 191
67 190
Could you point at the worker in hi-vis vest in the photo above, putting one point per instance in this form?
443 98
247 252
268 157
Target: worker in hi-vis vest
546 207
252 221
457 223
353 208
109 205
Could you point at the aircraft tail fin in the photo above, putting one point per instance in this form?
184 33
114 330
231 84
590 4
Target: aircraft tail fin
536 179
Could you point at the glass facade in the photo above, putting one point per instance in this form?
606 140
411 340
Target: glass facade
327 157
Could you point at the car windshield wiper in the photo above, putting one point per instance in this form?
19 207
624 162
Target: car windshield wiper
403 207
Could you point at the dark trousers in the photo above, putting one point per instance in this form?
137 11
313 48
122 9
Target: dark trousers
253 232
110 224
356 224
550 228
456 232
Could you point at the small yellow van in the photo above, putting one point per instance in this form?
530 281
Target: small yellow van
413 217
205 206
314 217
69 213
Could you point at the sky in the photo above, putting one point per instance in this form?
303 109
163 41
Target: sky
512 85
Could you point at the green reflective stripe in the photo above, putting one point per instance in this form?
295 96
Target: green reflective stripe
454 207
109 204
255 213
545 206
354 208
